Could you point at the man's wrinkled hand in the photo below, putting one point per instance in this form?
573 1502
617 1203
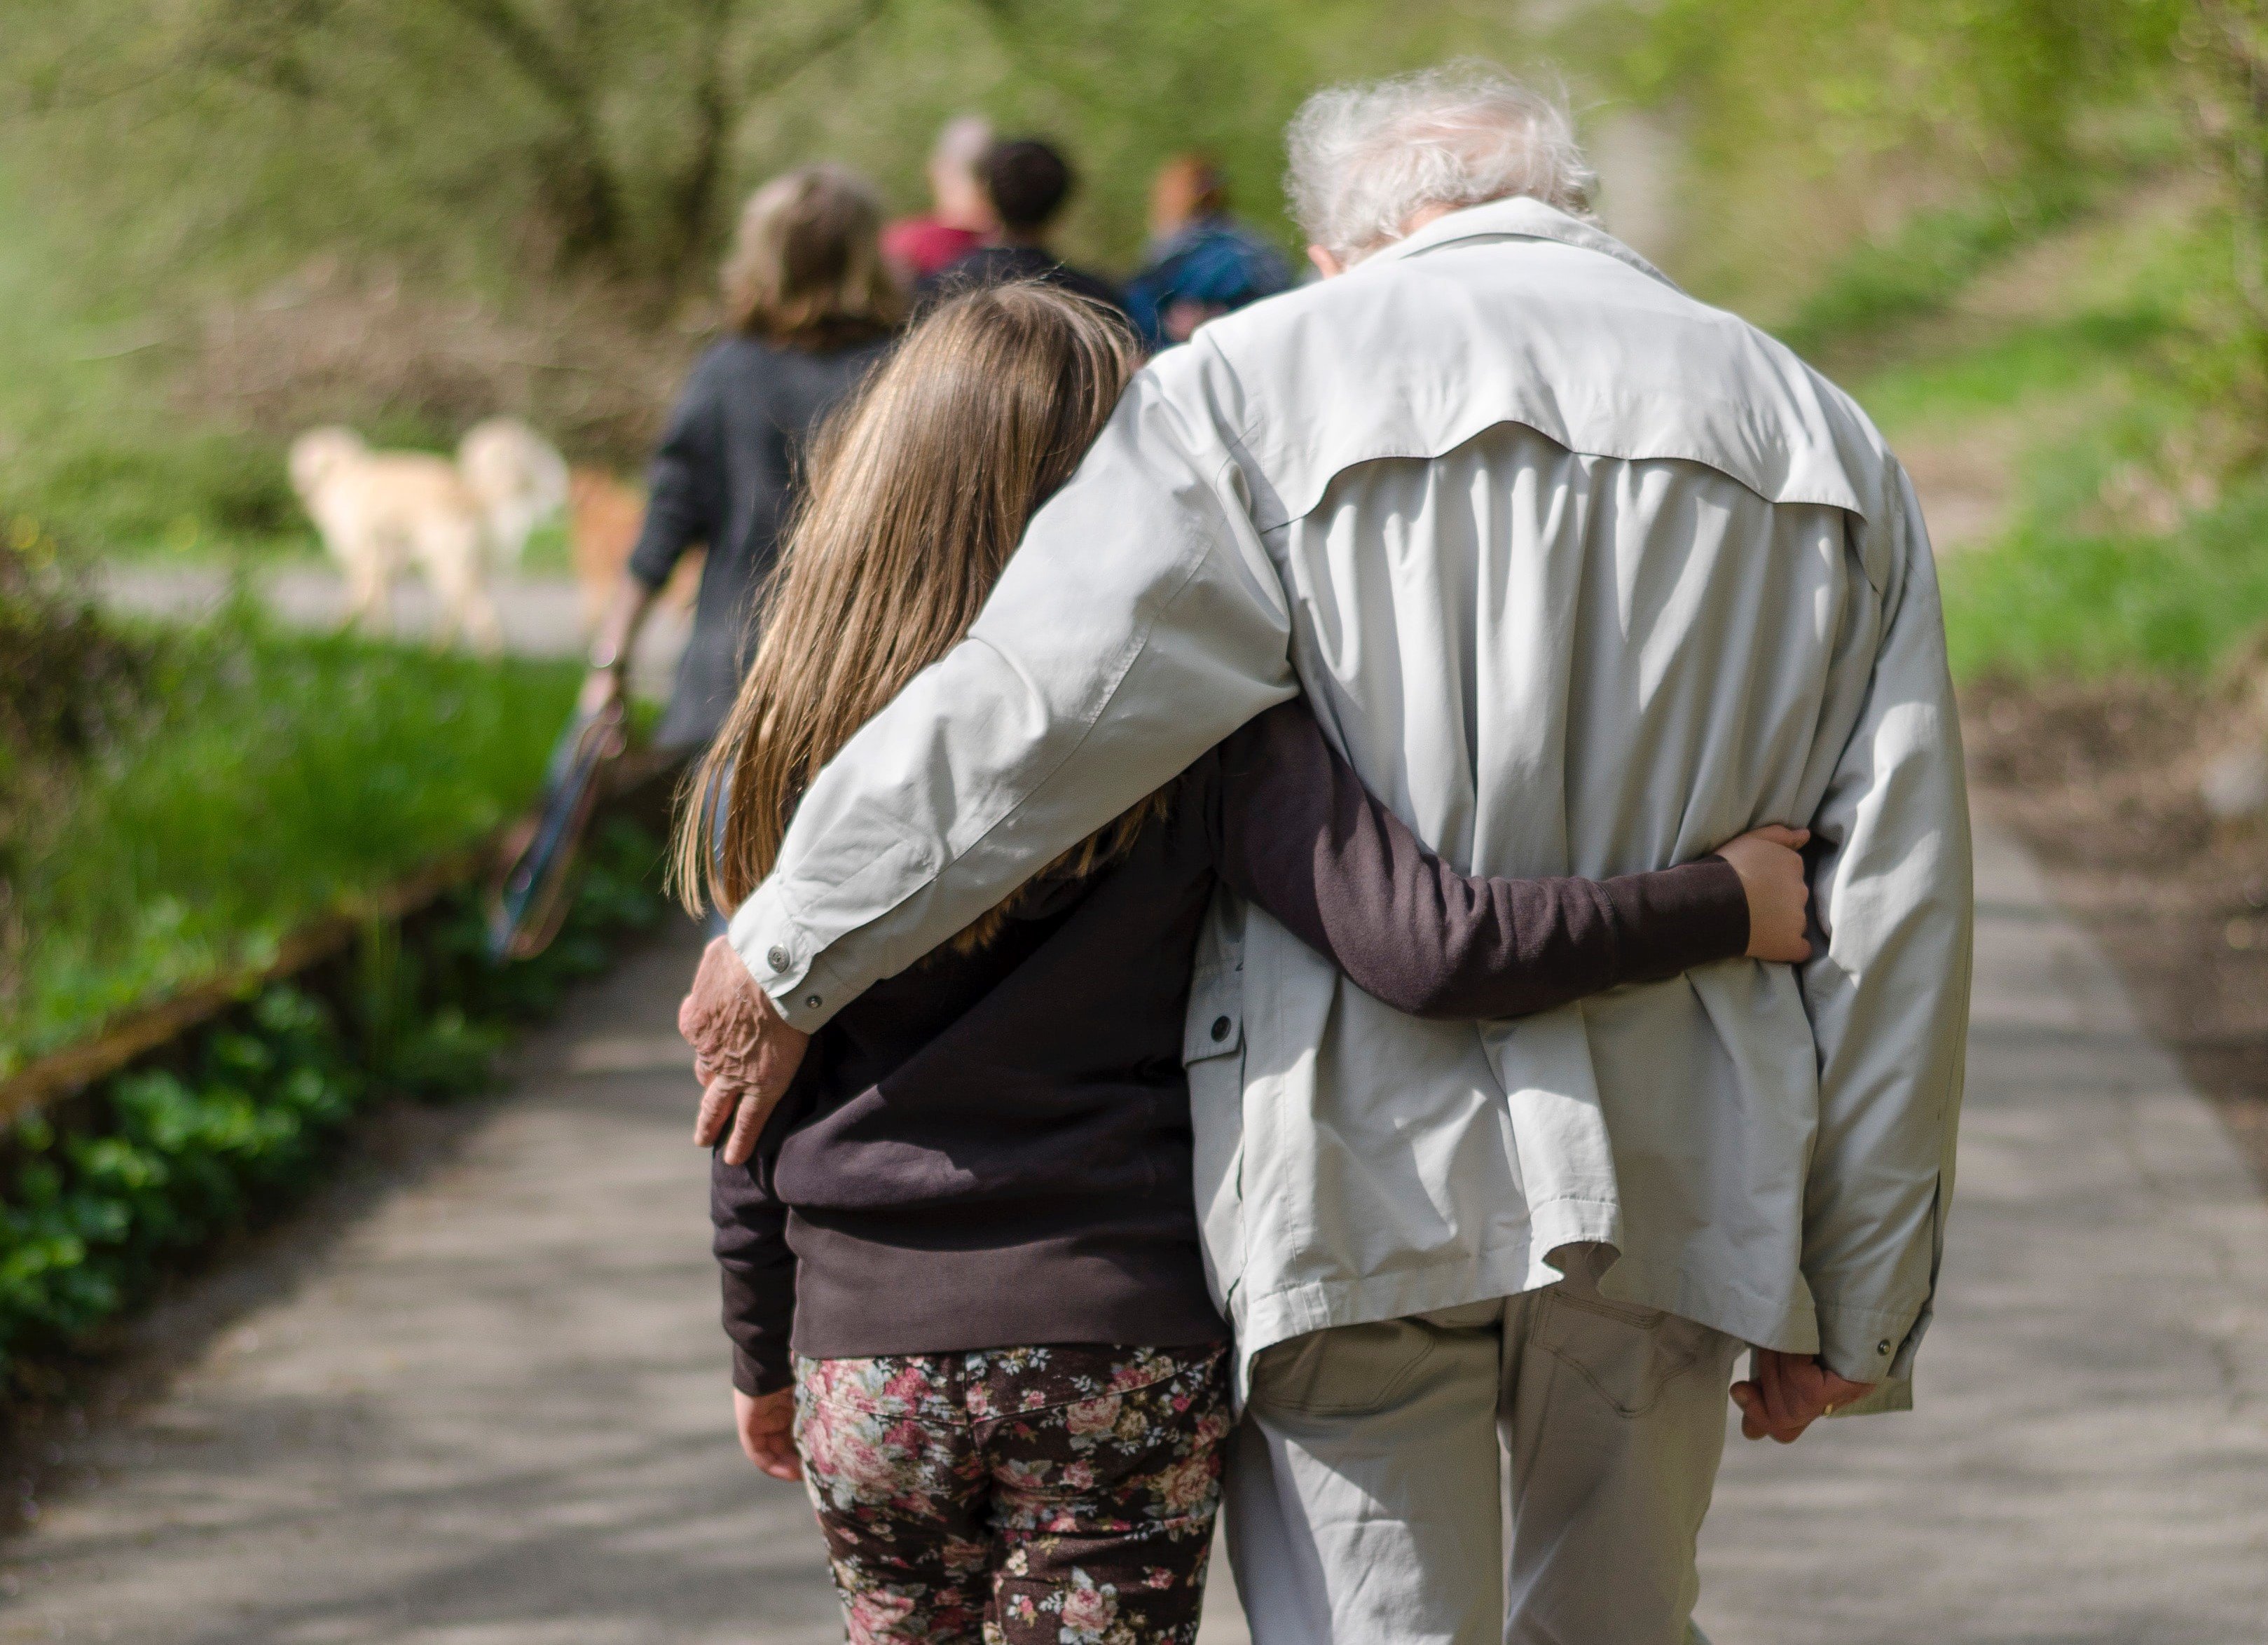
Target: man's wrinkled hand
743 1054
1790 1392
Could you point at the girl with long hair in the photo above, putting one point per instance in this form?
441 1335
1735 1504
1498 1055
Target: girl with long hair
962 1273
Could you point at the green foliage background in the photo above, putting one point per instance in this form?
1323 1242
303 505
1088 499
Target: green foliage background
175 172
503 140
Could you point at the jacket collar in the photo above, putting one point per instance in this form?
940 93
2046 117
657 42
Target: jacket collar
1516 218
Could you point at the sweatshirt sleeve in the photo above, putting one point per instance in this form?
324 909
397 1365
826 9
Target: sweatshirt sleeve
1298 834
758 1270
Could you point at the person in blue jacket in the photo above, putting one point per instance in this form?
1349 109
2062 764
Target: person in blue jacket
1203 262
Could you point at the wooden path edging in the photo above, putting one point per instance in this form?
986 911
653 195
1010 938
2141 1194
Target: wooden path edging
643 774
145 1028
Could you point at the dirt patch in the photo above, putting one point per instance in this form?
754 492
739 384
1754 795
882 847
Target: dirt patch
2101 780
1967 484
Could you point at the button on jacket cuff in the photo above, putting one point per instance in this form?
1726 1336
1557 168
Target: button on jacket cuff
1870 1345
805 992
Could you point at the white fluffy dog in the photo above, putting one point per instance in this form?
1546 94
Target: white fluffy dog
517 478
382 511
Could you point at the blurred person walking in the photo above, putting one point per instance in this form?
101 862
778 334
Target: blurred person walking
1027 182
809 307
1203 263
960 218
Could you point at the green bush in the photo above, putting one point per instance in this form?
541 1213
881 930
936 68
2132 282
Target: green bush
193 490
89 1220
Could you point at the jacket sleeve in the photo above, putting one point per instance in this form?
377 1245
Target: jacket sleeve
681 482
1298 834
1139 623
1888 992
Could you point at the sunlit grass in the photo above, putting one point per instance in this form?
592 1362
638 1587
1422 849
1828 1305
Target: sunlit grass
280 774
1926 264
2055 360
2049 599
2068 380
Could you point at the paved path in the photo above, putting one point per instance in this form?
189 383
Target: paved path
2089 1460
493 1413
542 615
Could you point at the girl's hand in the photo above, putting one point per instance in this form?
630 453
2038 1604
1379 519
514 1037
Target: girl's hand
1771 873
767 1425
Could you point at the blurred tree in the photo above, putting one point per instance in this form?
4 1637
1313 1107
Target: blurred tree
548 137
2223 51
593 135
1811 124
2224 45
407 214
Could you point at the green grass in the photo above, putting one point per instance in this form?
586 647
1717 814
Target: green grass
2050 361
1924 265
2098 377
89 436
280 774
2052 598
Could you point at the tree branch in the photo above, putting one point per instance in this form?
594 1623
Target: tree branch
586 194
822 43
721 102
530 51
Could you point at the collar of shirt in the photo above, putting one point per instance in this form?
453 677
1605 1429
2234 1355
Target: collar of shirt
1606 358
1515 217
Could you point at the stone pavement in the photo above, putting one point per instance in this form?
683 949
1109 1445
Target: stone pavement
492 1410
2087 1460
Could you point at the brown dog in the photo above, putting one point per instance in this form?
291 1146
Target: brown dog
605 517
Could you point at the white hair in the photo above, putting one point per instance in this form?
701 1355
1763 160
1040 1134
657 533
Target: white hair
1365 157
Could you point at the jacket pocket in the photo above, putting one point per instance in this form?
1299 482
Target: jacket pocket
1213 1051
1213 1028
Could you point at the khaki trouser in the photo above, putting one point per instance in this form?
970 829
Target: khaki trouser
1365 1485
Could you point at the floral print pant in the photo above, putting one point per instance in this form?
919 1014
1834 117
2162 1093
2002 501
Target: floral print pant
1017 1495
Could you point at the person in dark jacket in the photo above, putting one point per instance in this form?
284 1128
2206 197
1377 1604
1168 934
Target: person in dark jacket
1203 262
964 1262
810 307
1028 182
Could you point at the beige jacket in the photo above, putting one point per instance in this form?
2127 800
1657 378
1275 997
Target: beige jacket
1585 577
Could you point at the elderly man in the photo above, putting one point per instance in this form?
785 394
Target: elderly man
1584 577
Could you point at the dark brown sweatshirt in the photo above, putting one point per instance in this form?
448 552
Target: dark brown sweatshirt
992 1148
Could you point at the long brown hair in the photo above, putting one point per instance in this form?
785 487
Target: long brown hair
806 269
920 489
